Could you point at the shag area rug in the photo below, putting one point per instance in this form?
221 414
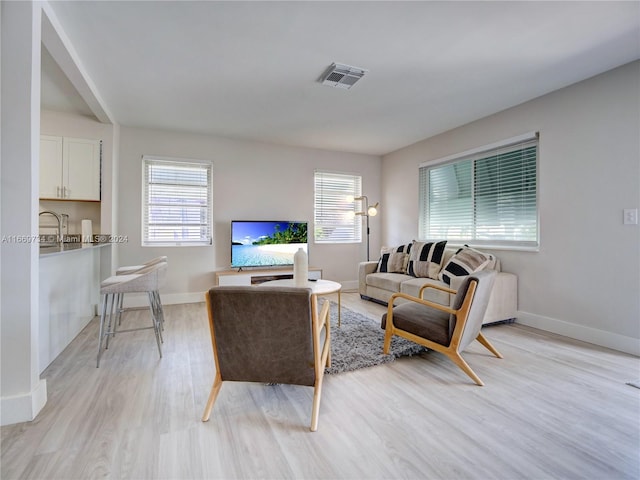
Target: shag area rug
359 340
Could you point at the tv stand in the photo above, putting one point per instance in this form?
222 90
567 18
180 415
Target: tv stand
254 277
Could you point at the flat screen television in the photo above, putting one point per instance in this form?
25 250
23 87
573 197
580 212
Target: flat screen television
260 243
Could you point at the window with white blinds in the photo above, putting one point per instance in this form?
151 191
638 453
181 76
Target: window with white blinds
334 218
488 197
176 202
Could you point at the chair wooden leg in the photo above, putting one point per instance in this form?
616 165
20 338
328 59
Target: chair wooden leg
483 340
328 362
388 333
459 361
315 411
215 389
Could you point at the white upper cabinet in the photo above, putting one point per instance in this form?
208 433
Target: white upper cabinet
50 166
69 168
80 169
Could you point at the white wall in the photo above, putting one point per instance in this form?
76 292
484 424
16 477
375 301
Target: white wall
251 181
22 392
585 280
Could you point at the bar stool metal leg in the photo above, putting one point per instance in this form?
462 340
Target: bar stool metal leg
158 303
155 314
105 299
120 307
156 326
111 325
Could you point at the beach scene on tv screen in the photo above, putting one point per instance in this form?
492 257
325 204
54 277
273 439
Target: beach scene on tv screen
266 243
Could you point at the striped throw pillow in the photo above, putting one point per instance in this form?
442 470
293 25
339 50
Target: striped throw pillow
394 259
466 261
426 259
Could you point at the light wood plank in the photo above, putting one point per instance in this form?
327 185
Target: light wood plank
552 408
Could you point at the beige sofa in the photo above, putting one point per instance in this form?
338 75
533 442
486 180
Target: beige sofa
379 286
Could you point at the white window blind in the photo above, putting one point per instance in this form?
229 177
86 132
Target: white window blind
176 203
334 218
488 197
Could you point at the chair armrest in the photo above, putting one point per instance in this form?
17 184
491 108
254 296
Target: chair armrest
323 317
437 306
437 287
322 352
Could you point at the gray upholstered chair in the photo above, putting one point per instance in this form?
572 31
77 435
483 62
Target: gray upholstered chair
268 335
440 328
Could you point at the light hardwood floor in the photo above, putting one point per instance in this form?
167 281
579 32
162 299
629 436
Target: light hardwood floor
553 408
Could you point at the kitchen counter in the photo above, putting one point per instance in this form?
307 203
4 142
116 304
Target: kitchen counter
69 291
46 251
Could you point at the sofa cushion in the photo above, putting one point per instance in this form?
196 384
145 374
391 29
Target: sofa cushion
387 281
426 259
394 259
466 261
412 287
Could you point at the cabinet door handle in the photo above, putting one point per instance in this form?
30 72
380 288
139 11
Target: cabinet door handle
58 191
64 192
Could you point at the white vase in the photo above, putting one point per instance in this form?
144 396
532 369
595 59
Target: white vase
300 268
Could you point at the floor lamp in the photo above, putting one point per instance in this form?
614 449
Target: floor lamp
369 211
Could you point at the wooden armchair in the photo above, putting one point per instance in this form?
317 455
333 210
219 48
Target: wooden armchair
269 335
440 328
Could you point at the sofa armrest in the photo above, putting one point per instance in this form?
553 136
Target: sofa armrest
503 302
364 269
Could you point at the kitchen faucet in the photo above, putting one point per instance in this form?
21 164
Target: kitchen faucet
59 218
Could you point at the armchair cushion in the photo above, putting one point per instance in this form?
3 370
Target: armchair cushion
422 321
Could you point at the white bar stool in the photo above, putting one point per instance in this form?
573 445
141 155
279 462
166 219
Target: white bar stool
146 280
131 269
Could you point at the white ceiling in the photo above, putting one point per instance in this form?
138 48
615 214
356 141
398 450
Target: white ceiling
250 70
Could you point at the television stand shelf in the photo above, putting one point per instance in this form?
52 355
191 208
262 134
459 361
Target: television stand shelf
254 277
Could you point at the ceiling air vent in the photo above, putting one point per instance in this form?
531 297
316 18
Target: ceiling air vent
342 76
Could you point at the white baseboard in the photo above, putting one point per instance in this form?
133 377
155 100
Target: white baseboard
136 300
350 285
602 338
23 408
